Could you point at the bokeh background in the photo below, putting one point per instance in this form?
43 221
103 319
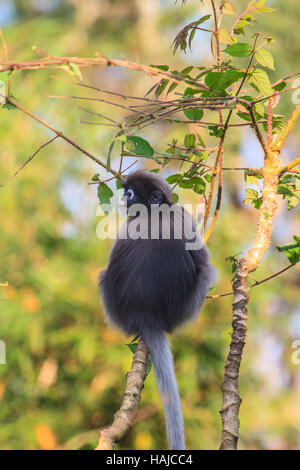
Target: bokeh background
65 369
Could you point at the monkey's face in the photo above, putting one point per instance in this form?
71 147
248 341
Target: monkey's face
139 193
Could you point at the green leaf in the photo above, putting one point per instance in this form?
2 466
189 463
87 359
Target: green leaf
251 178
187 70
199 185
245 116
161 87
265 58
95 177
4 76
259 109
174 178
151 89
193 114
289 188
165 68
119 185
257 203
104 195
212 80
224 36
260 80
175 197
239 49
172 87
132 347
228 8
222 80
251 195
291 250
191 92
208 177
186 184
76 71
215 131
189 140
280 86
139 146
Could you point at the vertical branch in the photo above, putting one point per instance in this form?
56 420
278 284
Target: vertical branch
261 243
231 396
218 166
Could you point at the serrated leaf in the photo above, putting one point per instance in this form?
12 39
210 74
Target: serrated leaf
265 58
239 49
291 250
174 178
228 8
224 36
139 146
259 79
251 194
259 108
251 179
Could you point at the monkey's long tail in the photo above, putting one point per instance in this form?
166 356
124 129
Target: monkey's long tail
162 360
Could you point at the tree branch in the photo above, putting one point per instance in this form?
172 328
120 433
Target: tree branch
62 135
125 416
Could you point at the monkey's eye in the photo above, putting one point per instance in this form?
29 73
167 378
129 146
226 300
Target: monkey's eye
130 194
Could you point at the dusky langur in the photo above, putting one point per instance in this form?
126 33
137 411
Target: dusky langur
153 285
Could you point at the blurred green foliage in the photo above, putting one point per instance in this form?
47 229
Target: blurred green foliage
65 367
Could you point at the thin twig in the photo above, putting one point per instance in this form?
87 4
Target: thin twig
61 134
27 161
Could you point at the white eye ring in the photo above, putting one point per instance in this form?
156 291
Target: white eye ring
129 194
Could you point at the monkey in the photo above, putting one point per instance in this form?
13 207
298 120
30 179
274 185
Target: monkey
154 285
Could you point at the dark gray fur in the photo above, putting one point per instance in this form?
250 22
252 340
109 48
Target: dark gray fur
154 286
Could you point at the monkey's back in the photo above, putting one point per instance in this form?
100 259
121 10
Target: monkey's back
154 284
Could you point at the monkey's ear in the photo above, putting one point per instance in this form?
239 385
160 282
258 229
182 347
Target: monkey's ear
156 197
